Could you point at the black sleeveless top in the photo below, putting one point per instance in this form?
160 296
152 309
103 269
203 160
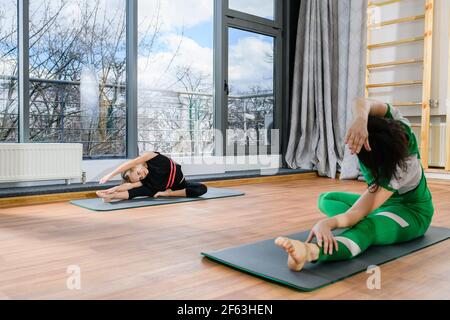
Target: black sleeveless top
163 174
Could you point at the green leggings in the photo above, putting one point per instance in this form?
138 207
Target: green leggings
393 222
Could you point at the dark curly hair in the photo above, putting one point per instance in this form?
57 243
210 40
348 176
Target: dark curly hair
389 144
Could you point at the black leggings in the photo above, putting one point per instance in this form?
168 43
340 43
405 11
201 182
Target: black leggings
193 190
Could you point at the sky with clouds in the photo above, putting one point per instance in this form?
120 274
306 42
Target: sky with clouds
185 39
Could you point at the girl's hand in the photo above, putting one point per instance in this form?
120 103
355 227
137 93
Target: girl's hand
105 179
358 136
163 193
325 238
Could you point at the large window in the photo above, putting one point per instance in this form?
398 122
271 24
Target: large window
172 76
8 71
77 74
175 77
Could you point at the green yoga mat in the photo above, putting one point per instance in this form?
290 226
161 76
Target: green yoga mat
98 204
265 260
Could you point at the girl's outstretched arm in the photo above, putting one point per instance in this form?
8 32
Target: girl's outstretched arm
119 192
128 165
124 187
366 204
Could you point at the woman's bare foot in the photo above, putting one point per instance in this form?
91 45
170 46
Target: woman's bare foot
299 252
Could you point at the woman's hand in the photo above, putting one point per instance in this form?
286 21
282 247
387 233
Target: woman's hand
105 179
325 239
358 136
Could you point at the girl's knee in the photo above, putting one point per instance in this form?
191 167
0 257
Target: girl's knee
202 189
196 190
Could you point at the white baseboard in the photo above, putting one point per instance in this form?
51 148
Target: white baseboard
438 175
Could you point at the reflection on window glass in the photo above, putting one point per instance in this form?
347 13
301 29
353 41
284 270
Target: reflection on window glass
260 8
175 77
251 84
8 71
78 73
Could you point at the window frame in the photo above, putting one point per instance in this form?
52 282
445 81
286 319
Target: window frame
227 18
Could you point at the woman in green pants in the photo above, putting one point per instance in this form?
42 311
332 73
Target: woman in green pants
397 205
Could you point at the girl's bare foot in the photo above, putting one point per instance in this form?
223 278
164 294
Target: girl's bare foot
104 195
299 252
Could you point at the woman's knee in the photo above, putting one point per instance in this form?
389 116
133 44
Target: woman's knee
324 198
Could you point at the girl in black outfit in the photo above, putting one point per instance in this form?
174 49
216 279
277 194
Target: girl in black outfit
151 175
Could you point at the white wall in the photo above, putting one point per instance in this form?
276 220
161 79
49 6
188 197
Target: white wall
411 72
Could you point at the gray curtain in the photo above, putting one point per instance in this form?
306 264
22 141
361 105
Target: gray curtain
329 72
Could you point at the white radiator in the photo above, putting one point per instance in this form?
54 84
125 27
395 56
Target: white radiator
437 144
38 161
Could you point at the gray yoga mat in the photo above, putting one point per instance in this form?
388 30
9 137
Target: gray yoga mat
98 204
264 259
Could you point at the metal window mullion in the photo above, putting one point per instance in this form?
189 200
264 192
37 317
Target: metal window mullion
23 70
286 90
253 27
279 12
278 90
132 78
233 14
220 76
279 75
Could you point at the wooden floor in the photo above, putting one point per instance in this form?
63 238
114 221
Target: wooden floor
154 252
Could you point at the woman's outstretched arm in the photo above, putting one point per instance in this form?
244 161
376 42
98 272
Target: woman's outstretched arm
128 165
366 204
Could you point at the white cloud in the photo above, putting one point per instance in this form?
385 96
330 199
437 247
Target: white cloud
175 13
250 64
8 9
260 8
154 71
171 17
72 11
